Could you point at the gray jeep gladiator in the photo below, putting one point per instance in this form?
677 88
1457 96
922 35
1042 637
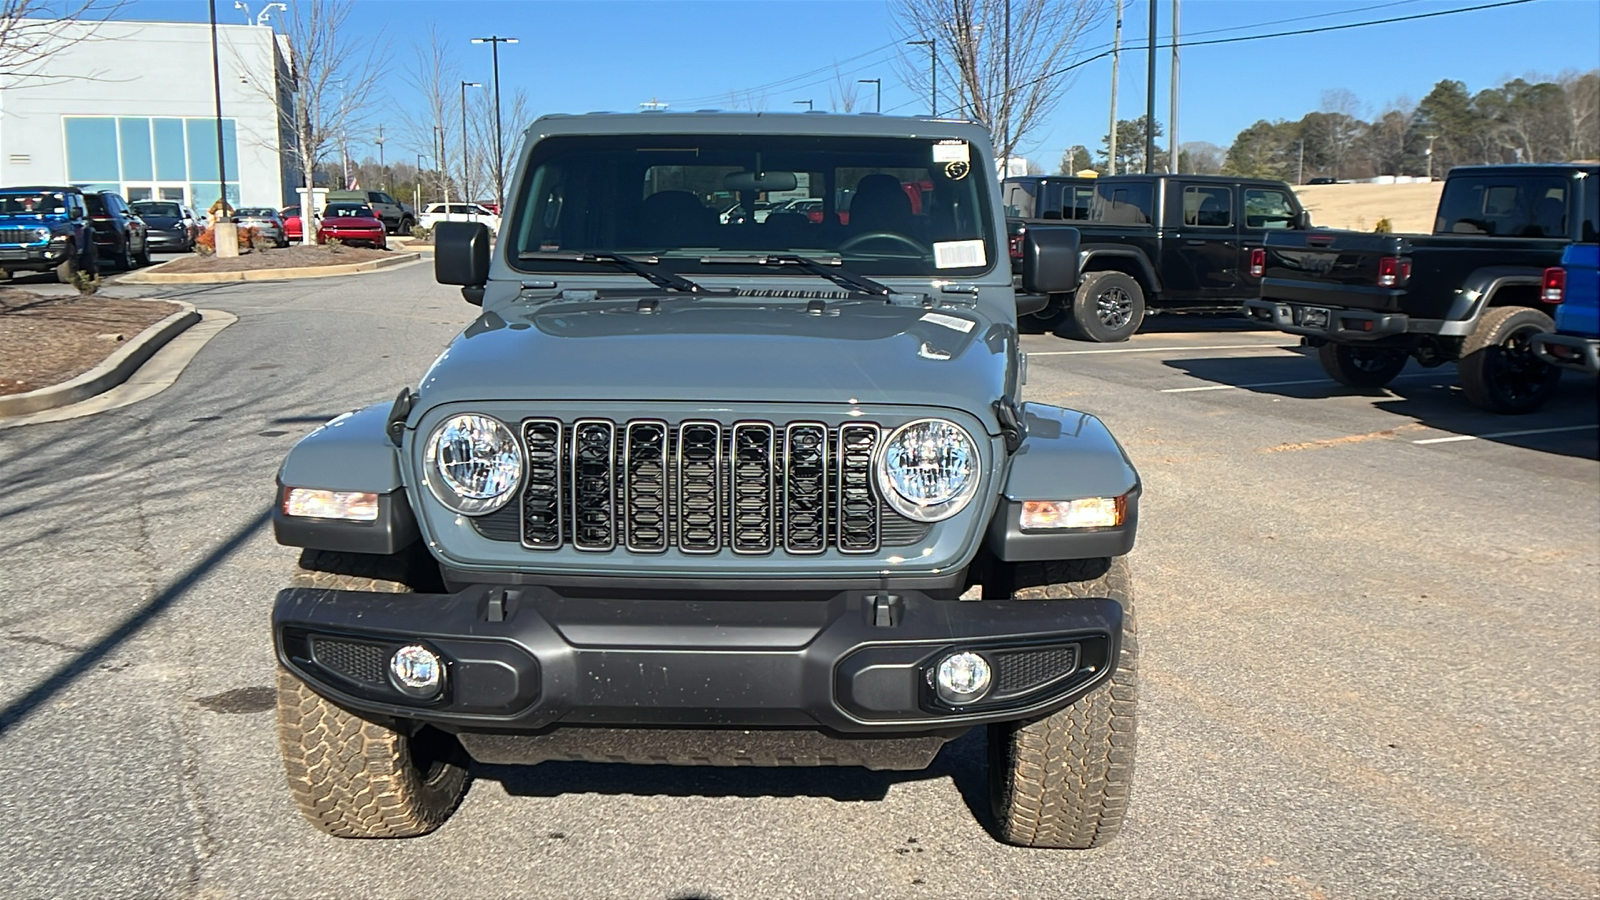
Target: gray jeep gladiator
709 490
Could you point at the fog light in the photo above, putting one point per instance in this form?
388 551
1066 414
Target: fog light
962 678
416 671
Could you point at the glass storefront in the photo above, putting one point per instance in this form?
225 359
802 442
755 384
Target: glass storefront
152 158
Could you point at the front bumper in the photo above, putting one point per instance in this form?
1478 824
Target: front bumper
1568 351
33 257
522 659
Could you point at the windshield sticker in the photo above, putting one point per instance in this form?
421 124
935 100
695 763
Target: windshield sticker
957 170
959 254
955 323
951 151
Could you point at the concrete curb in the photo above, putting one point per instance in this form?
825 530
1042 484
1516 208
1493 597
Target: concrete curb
113 371
156 276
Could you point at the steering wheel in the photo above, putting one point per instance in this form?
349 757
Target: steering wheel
859 239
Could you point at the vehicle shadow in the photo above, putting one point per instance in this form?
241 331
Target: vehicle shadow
961 760
1429 397
1200 323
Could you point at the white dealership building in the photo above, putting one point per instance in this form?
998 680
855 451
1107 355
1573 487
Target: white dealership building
129 107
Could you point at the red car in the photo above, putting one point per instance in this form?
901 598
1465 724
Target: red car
291 223
352 223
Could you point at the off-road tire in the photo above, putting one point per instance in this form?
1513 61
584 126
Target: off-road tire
1366 368
1108 308
1498 371
357 777
1063 780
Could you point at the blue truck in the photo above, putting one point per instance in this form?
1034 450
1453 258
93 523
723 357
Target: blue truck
1575 287
45 229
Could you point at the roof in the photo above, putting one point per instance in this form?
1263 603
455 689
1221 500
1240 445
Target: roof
1522 168
1204 179
714 122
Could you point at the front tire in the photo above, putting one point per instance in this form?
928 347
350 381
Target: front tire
359 777
1361 367
1498 370
1108 307
1064 780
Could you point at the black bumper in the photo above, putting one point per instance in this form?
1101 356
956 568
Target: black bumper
522 659
1569 351
33 259
1329 322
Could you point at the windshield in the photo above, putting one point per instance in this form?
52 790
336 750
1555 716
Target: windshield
260 212
158 209
882 205
33 203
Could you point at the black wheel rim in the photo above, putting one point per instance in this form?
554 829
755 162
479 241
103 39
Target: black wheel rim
1513 371
1114 308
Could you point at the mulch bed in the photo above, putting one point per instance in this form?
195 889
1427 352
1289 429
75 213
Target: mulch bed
49 340
286 258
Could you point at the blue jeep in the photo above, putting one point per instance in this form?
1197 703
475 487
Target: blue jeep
1576 286
45 229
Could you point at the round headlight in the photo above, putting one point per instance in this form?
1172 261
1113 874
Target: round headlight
929 469
473 464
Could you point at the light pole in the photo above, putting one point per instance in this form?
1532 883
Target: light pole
879 83
418 187
933 74
381 167
1150 99
1431 139
809 105
466 175
494 41
223 231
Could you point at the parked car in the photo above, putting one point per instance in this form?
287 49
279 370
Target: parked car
797 518
45 229
352 223
119 234
459 212
396 215
1468 293
265 220
291 222
167 227
1171 242
1574 289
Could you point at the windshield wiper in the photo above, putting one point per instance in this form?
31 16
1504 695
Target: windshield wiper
639 266
836 275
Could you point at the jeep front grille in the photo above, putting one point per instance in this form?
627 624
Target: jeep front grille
699 487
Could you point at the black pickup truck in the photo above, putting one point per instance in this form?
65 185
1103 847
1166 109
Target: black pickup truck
1469 293
1164 242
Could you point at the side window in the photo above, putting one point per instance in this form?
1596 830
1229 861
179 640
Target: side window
1267 209
1076 204
1207 206
1019 199
1122 204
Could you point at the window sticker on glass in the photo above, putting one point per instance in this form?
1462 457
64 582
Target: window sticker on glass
951 151
953 322
958 254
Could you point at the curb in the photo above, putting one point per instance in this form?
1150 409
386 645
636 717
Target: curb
113 371
156 276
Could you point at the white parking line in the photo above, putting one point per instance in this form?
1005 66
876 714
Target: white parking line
1501 434
1238 387
1161 349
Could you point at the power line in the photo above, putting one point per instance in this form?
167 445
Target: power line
789 81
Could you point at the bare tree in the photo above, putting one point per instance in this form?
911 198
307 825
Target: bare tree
1582 107
433 128
480 152
843 93
330 84
31 30
1005 58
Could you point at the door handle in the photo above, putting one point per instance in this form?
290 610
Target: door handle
1194 242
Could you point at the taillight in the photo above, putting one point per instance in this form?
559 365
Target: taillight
1258 262
1554 289
1016 246
1393 271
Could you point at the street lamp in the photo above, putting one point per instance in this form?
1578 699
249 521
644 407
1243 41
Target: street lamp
809 105
879 83
418 187
466 175
494 41
933 74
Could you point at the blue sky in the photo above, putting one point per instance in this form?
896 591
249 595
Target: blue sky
692 54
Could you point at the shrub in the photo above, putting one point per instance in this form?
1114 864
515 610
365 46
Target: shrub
86 281
422 234
205 243
1384 226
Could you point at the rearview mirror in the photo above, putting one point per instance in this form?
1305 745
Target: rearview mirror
760 181
461 256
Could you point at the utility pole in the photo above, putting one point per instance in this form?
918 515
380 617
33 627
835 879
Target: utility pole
879 83
1300 168
381 167
1150 98
1172 131
499 146
1431 138
1116 60
466 172
1005 92
224 233
933 74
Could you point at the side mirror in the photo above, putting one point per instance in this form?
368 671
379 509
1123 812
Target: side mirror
76 215
1303 221
461 256
1050 260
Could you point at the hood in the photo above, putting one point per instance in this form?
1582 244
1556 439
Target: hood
693 350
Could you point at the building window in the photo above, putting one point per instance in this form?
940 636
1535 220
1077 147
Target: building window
172 161
92 149
134 137
134 156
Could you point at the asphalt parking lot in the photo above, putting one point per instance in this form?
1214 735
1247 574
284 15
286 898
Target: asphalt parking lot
1368 625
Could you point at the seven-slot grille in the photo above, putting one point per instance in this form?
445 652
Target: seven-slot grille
700 486
19 235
